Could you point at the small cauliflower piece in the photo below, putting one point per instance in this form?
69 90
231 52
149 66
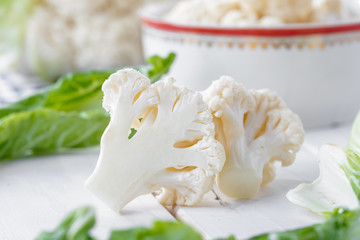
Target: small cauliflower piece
238 18
290 11
254 6
271 21
326 9
256 129
173 151
190 12
201 11
335 10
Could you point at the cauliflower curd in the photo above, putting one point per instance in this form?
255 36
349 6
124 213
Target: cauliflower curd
256 129
173 151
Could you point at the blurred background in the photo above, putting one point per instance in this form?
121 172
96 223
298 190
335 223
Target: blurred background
307 50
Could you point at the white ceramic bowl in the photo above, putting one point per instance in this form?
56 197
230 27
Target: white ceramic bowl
314 67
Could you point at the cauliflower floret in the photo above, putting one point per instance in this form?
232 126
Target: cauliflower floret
79 7
202 11
329 10
189 12
290 11
254 6
256 129
48 46
219 8
335 10
125 33
173 151
270 21
238 18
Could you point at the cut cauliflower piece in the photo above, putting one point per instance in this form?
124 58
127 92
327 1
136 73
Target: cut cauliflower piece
173 151
256 129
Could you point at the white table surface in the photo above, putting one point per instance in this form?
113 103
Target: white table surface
36 193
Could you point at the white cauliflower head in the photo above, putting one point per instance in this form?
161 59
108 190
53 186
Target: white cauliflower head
256 129
173 151
64 36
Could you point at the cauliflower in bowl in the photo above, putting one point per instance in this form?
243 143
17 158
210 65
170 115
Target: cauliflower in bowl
261 12
160 138
256 129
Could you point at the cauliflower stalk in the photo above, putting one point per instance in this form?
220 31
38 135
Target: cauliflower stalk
256 129
173 150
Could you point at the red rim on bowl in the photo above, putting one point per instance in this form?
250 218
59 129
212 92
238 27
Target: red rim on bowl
153 21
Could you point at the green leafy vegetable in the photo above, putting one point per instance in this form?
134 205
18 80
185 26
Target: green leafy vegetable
42 130
352 166
68 114
343 224
159 66
228 238
75 226
73 92
161 230
354 141
352 170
